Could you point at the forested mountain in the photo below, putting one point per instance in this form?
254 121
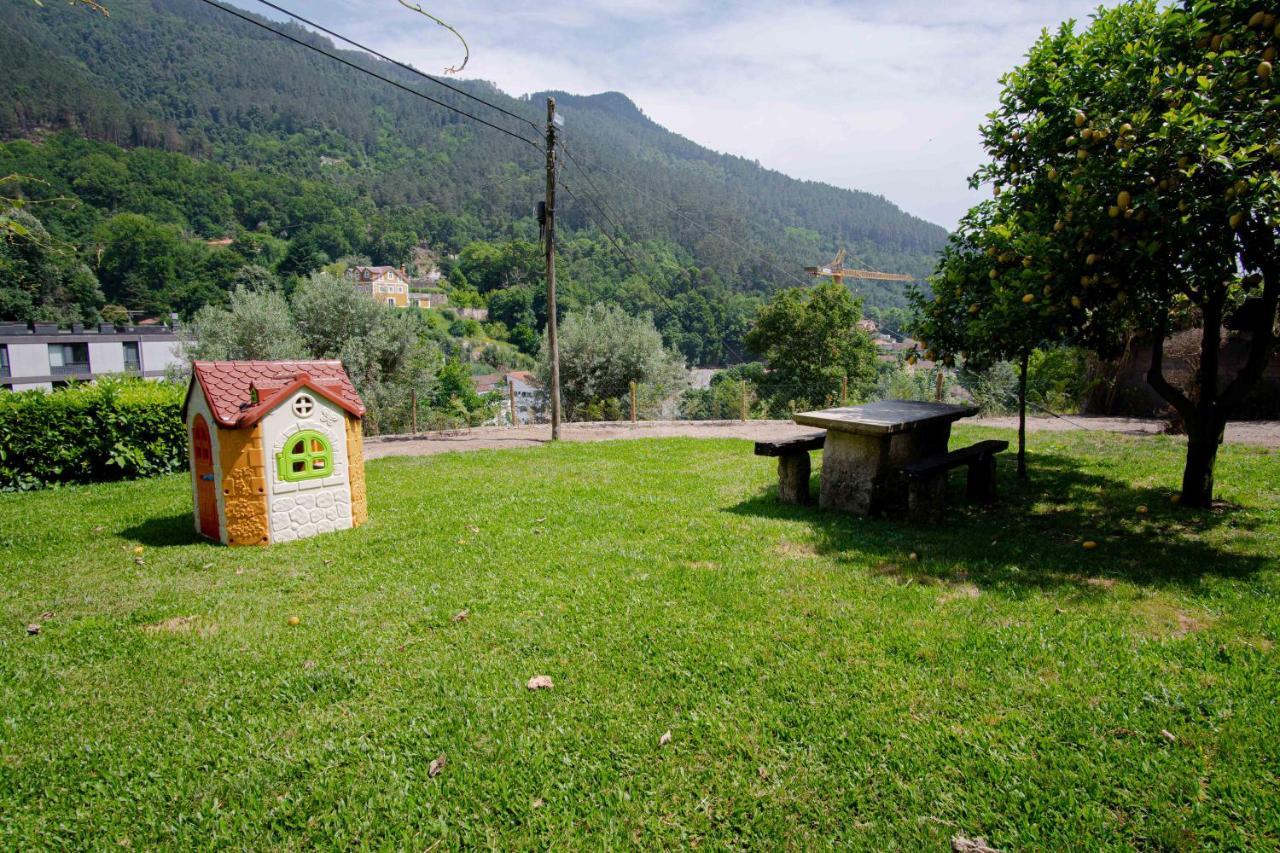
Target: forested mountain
264 137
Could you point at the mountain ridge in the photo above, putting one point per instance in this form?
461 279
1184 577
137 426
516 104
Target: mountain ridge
214 86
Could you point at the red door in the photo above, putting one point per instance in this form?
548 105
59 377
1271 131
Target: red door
206 493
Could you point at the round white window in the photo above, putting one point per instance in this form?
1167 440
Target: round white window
303 406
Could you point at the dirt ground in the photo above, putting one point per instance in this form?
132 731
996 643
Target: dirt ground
1262 433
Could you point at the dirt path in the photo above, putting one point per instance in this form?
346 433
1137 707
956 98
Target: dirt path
1262 433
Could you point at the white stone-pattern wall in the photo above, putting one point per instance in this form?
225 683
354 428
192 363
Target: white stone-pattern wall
305 508
200 406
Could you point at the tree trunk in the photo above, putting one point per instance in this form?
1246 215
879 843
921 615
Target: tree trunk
1202 452
1204 431
1022 416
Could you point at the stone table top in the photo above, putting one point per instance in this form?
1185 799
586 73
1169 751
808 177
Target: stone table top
886 417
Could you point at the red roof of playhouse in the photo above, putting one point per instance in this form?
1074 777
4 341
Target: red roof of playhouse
229 387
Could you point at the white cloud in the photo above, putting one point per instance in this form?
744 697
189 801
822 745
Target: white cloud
876 95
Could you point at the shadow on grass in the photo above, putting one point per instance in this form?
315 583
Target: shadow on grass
1034 536
165 532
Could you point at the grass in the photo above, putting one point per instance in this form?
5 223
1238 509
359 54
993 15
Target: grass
822 686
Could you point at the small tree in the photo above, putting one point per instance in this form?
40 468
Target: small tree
1140 156
255 325
992 300
330 312
602 351
810 339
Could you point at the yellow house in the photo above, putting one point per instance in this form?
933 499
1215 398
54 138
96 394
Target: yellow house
276 450
387 285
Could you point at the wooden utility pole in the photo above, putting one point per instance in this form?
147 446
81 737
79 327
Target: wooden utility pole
550 237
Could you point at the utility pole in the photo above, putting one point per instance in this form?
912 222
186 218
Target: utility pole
550 237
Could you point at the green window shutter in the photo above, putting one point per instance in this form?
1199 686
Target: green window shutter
307 455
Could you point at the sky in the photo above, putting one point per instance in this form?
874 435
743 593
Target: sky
884 96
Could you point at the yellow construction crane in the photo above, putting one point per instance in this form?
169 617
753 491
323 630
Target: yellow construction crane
837 272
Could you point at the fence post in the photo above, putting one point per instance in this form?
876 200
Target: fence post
511 399
937 391
844 390
744 399
413 396
633 403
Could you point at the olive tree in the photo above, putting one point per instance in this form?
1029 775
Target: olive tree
1140 158
602 351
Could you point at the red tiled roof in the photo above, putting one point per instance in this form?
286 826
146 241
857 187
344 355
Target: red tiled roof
227 387
486 382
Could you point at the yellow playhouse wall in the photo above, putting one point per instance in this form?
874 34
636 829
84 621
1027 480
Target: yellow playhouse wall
244 488
355 472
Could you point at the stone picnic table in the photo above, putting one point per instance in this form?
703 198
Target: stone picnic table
866 445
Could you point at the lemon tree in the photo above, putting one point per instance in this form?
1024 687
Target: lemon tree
1134 166
991 301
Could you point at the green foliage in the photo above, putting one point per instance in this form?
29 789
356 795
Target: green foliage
602 351
811 342
896 380
1136 171
329 313
724 399
108 430
255 325
42 279
1058 378
386 352
454 400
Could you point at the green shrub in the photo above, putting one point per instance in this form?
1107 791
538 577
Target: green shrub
112 429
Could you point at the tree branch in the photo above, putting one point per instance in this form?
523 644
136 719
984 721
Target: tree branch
1262 341
1162 386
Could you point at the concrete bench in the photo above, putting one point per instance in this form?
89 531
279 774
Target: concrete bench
927 479
793 464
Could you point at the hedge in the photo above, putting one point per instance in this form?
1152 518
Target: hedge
112 429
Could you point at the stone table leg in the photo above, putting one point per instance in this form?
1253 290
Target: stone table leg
793 478
851 466
892 490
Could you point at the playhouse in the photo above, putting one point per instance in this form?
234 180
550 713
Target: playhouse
276 450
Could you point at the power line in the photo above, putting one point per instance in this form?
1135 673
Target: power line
400 64
374 74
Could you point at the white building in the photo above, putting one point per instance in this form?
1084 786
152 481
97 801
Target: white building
43 356
530 403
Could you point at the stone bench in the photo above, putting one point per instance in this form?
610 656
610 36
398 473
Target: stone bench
793 464
927 479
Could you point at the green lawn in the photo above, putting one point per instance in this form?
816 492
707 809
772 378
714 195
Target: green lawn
822 686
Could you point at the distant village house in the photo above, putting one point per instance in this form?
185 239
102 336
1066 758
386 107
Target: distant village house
526 390
392 286
387 285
